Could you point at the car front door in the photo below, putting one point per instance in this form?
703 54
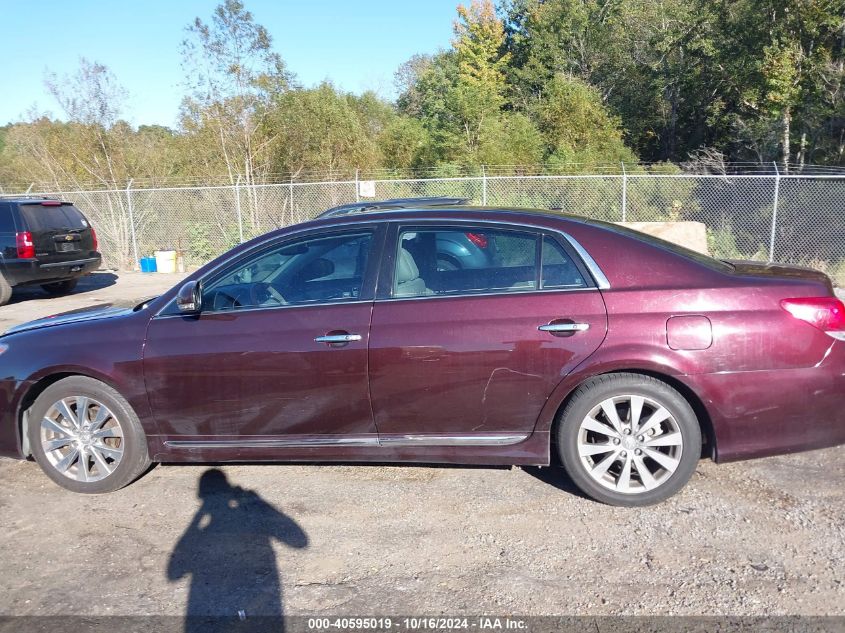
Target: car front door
278 352
469 353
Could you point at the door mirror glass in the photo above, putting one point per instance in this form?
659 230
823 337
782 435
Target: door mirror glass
189 298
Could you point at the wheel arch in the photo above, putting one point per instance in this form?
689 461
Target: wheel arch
705 423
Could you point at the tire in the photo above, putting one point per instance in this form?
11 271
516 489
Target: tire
5 291
619 468
114 443
60 287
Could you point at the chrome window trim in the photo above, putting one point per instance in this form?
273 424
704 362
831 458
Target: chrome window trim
599 276
600 279
499 293
363 223
368 224
321 304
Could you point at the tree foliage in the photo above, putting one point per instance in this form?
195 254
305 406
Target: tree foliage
527 82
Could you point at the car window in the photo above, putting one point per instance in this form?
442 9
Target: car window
559 271
464 260
313 270
7 223
39 217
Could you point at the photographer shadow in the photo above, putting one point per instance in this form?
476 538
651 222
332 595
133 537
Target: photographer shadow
227 550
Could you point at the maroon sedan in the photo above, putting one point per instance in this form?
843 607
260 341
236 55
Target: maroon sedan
624 356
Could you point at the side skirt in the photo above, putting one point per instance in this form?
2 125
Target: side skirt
477 449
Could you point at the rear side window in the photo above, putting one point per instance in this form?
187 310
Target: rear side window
52 218
559 271
7 223
464 260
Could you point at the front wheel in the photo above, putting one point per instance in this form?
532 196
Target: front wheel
60 287
628 439
86 437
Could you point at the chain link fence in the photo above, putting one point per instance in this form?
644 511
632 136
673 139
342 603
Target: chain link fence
797 219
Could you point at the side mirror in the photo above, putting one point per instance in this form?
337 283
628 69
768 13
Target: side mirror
189 298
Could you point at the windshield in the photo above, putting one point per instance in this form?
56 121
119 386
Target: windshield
53 218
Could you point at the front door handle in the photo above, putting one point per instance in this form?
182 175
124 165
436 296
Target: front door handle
338 338
564 328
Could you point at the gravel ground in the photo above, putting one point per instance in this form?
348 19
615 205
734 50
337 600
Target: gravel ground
764 537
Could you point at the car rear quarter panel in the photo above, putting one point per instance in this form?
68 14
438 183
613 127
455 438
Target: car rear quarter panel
769 383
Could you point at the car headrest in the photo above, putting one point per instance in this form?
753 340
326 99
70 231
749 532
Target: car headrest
406 270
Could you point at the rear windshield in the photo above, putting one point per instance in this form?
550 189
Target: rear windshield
41 218
706 260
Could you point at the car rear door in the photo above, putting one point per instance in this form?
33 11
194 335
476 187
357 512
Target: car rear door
59 231
469 356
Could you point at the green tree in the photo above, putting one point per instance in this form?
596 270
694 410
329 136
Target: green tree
577 126
319 129
232 74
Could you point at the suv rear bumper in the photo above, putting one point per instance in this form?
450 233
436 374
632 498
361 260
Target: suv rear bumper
19 272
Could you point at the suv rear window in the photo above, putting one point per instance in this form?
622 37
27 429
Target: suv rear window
7 223
51 218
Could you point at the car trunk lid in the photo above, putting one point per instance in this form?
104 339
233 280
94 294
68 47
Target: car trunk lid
786 272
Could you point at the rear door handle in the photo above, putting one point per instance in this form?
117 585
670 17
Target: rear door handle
564 327
338 338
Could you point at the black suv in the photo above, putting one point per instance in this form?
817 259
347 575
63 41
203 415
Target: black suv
46 242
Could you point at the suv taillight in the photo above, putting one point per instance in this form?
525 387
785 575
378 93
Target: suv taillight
94 237
825 313
26 248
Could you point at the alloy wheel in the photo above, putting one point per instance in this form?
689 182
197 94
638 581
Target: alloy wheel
82 439
630 444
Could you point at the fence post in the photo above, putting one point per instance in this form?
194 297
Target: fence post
132 221
292 221
774 214
483 186
238 208
624 193
357 195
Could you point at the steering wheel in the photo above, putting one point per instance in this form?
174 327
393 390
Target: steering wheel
264 294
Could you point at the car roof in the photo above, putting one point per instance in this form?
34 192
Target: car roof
18 199
501 214
392 203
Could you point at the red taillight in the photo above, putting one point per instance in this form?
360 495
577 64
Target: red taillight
479 239
94 237
825 313
26 248
51 203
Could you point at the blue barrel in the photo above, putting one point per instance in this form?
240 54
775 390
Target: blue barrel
148 265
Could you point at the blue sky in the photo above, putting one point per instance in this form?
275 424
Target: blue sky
358 45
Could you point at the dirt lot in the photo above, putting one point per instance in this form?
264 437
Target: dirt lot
759 538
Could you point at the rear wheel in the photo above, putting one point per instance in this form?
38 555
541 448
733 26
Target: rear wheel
5 291
628 439
86 437
60 287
